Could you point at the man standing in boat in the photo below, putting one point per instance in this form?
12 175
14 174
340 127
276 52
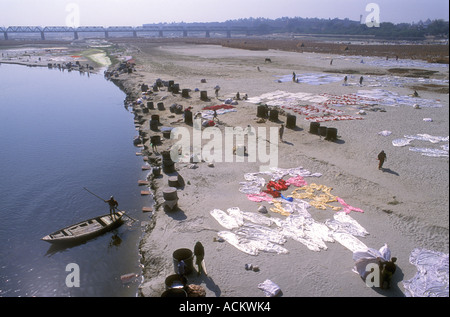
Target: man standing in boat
113 204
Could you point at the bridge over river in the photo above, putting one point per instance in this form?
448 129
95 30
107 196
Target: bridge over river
158 31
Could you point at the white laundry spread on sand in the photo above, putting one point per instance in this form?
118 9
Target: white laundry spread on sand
260 236
399 81
349 241
209 114
283 98
391 62
385 133
432 277
225 220
345 224
401 142
323 106
238 242
310 78
383 97
430 152
407 139
427 137
269 288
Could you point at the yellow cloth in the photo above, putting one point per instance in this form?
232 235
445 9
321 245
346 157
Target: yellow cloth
319 196
278 209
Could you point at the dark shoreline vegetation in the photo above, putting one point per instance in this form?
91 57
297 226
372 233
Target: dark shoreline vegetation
303 26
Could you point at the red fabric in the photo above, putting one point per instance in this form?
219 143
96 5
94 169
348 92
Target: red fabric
218 107
273 188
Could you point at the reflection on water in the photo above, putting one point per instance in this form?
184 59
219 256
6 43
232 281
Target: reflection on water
59 132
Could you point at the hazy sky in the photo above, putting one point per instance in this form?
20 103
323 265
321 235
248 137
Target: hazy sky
138 12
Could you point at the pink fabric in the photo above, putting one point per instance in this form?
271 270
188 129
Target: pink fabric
297 181
262 196
347 207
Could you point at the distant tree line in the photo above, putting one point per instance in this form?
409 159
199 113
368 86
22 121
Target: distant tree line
263 26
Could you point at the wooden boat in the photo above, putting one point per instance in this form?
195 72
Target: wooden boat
86 229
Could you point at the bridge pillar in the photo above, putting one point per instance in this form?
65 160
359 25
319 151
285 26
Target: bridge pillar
5 34
228 34
134 34
106 34
75 35
207 34
42 36
160 33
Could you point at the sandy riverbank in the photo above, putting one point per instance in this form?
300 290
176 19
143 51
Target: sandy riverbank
84 56
405 205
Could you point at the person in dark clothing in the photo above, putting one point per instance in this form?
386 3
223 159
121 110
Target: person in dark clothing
381 159
113 204
215 116
387 272
199 252
281 131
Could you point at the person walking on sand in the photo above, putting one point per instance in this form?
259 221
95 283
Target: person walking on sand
113 204
361 80
381 159
199 252
281 131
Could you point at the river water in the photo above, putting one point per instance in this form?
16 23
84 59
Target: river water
60 132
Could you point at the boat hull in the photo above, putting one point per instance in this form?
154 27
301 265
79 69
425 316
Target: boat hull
85 230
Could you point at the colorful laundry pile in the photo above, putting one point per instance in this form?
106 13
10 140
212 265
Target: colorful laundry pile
319 108
275 192
332 118
208 111
252 232
274 188
320 113
218 107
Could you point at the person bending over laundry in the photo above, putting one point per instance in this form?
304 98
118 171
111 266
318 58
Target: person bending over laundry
388 270
381 159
